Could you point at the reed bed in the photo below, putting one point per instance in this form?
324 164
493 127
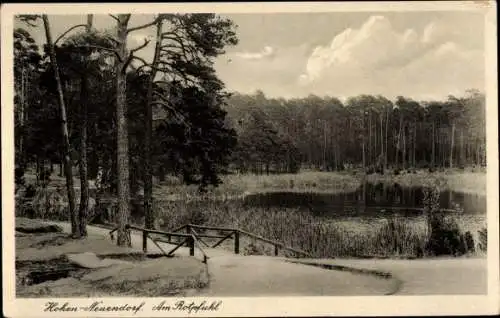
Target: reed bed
323 238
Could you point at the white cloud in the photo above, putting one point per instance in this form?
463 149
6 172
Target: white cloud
275 76
267 51
377 59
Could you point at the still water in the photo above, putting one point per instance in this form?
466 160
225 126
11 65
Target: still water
369 200
372 204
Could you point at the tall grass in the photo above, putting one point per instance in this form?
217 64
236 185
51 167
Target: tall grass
240 184
332 182
387 237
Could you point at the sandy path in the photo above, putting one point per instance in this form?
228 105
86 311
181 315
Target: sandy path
442 276
245 276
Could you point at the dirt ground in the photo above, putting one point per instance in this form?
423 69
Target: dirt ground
49 262
439 276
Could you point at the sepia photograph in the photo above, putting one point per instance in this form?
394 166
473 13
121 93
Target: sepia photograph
198 154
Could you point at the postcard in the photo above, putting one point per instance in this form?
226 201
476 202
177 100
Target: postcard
250 159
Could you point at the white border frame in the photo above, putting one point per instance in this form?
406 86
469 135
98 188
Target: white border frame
263 306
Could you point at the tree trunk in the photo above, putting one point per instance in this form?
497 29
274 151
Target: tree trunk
433 154
363 149
399 138
37 168
149 218
478 161
386 143
84 183
75 231
324 145
414 143
21 120
404 148
161 173
462 152
122 162
382 140
369 137
452 142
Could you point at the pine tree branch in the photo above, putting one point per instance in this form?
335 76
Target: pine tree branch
131 55
140 59
67 31
147 25
101 48
114 17
169 107
140 47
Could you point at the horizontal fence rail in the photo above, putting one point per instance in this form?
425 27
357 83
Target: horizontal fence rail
277 245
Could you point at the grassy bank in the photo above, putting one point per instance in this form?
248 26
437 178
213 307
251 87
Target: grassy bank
331 182
467 181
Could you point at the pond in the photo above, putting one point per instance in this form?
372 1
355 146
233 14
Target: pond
372 204
369 200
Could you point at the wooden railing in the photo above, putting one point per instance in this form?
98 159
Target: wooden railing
189 235
188 239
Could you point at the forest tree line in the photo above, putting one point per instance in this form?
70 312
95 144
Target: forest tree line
373 132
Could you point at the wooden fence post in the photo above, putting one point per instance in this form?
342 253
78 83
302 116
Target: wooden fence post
145 241
129 234
236 242
191 245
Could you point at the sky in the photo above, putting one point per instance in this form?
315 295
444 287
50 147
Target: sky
422 55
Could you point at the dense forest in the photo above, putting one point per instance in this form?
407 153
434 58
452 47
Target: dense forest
84 100
365 131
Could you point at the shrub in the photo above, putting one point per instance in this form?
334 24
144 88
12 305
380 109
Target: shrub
50 204
469 242
445 235
30 191
197 217
44 176
19 178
